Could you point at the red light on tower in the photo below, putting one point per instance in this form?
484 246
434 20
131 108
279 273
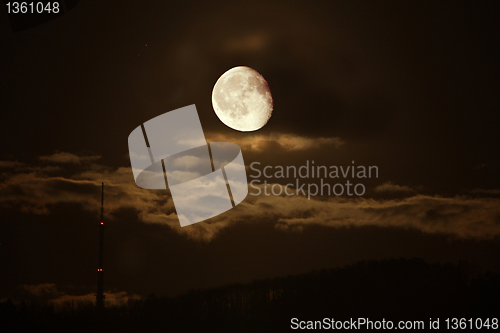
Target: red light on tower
100 271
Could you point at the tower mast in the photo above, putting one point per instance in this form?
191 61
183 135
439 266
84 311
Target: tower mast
100 270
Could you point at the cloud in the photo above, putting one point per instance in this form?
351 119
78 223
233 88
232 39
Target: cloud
459 216
33 192
61 299
483 191
19 167
112 299
64 157
290 142
40 289
390 187
10 164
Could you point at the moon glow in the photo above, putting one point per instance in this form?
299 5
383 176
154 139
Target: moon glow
242 99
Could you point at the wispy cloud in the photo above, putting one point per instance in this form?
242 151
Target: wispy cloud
483 191
112 299
61 299
390 187
459 216
63 157
10 164
40 289
462 217
259 142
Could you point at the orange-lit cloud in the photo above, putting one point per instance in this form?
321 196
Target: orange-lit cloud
62 300
112 299
390 187
483 191
40 289
10 164
64 157
290 142
459 216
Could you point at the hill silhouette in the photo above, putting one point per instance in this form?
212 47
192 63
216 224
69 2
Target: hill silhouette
395 289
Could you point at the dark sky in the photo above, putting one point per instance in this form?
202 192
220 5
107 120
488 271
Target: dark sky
410 87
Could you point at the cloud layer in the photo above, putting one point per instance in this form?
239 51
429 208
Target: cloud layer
112 299
393 188
63 157
460 216
287 142
62 300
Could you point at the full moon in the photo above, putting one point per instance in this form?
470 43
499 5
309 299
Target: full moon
242 99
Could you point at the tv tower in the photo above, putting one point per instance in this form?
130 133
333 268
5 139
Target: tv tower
100 270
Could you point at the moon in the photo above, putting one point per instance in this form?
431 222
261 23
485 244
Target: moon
242 99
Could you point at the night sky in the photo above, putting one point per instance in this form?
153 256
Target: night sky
409 87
